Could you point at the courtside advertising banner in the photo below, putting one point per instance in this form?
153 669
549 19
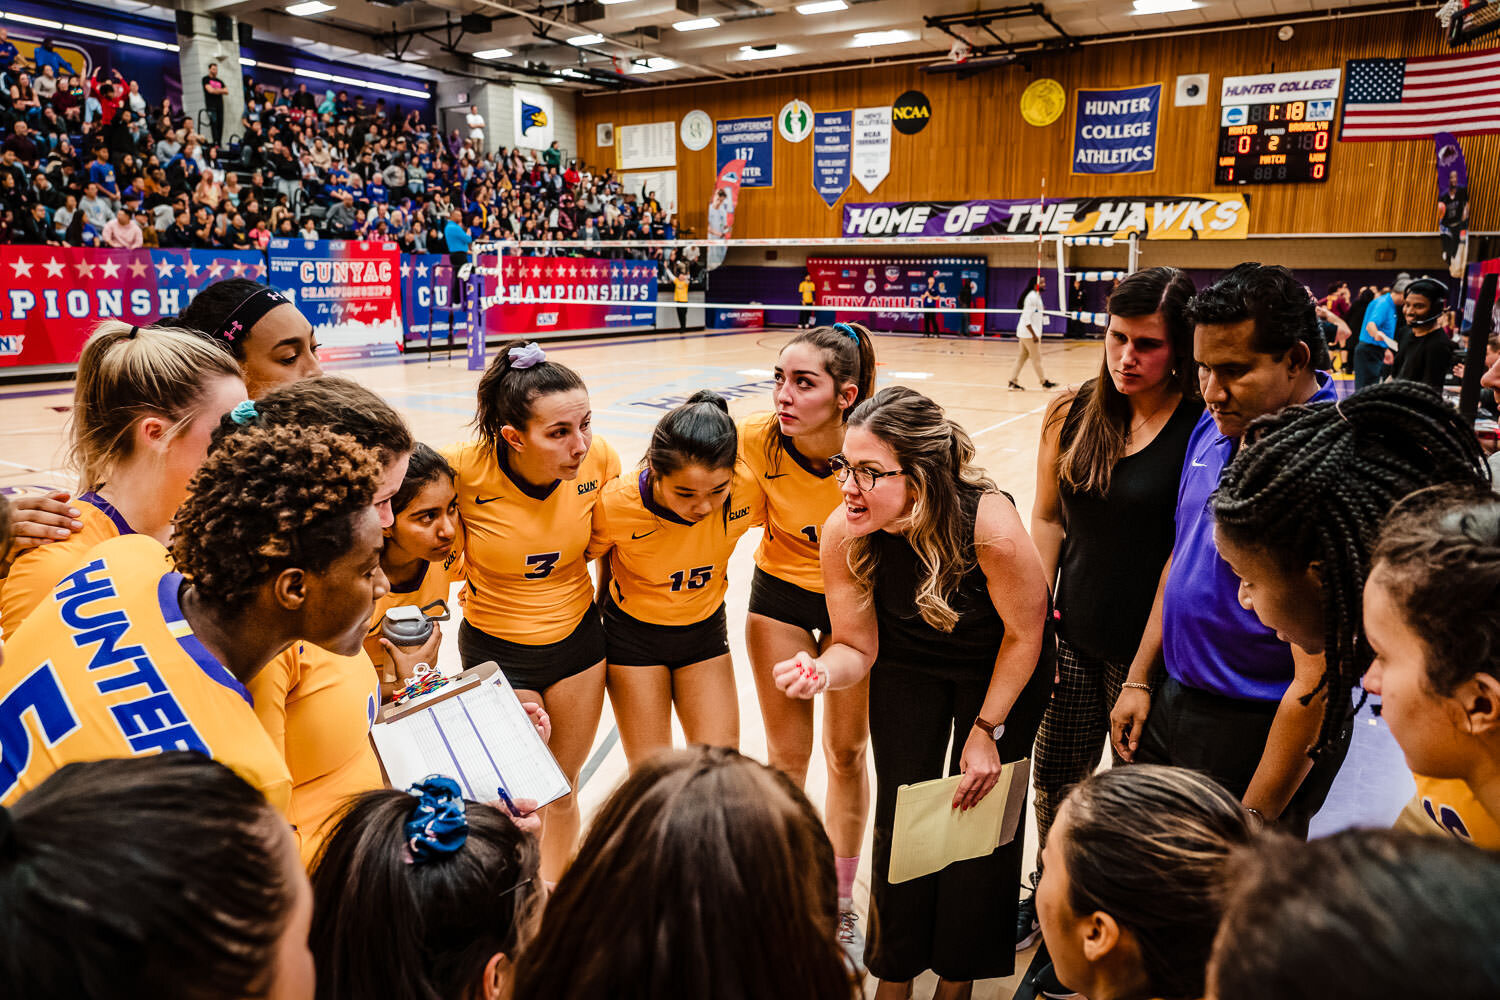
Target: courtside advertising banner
896 286
612 294
349 290
55 296
1114 131
426 292
1170 217
750 140
831 154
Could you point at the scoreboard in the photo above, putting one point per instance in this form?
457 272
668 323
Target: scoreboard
1279 143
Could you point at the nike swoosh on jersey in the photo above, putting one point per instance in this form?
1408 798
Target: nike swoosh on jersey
485 499
634 536
777 475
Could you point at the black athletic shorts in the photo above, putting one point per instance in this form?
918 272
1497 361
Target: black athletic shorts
634 643
787 602
536 668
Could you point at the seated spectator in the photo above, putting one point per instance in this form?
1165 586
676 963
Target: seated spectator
180 232
342 218
62 219
45 58
32 226
22 143
166 876
122 232
149 236
97 209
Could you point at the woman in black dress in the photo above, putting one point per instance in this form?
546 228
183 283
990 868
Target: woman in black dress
933 582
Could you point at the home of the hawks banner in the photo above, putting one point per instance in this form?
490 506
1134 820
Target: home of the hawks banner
1170 217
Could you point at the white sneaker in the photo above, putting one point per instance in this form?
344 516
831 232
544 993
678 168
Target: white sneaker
852 938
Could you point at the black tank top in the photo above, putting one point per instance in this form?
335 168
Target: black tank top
905 637
1117 544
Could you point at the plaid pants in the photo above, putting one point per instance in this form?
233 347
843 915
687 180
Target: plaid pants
1077 719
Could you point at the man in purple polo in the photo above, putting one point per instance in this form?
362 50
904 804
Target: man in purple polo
1211 688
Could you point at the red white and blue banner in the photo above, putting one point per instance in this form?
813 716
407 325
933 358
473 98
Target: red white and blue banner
895 286
349 290
55 296
608 294
426 288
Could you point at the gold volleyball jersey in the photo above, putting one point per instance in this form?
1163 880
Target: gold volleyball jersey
1448 806
107 666
798 501
36 571
435 584
318 707
526 548
663 569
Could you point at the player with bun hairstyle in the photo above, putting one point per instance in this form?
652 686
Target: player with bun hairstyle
145 402
129 655
821 375
164 876
527 487
668 533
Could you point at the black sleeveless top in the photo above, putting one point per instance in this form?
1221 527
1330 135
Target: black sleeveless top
1117 544
905 637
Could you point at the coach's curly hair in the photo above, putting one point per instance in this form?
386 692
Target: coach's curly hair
1312 486
267 499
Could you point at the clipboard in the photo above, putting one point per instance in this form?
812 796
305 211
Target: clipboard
473 730
928 834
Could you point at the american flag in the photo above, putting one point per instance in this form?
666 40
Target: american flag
1387 99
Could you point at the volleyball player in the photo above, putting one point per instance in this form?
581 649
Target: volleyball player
165 876
144 404
1297 516
937 596
526 492
318 703
821 375
276 542
267 334
668 532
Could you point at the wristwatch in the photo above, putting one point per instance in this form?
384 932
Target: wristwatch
991 729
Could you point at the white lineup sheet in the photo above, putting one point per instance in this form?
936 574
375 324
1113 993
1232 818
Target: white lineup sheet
475 737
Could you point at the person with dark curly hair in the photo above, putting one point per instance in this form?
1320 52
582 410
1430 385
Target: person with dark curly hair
131 655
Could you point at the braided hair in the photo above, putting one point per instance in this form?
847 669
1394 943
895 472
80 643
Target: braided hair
1313 484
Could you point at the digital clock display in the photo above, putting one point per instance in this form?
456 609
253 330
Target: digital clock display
1274 143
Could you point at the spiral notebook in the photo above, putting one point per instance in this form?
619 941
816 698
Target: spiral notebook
474 731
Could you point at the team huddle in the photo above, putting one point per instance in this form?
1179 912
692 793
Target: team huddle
222 580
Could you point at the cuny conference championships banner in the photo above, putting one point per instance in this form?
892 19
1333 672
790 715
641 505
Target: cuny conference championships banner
616 293
349 290
1171 217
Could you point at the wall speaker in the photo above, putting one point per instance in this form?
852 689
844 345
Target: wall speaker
476 24
185 23
223 27
688 7
247 33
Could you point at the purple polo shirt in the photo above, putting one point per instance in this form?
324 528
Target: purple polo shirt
1208 640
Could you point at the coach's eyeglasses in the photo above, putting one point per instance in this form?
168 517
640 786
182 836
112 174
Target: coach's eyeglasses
865 479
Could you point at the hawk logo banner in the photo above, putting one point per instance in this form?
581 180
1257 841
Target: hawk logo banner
532 117
535 116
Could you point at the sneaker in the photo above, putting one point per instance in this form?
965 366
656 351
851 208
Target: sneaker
1049 385
1028 928
1017 385
852 939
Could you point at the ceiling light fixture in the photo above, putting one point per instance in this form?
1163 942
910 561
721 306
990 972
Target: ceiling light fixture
38 21
493 54
865 39
309 7
581 40
697 24
655 64
748 52
822 7
1163 6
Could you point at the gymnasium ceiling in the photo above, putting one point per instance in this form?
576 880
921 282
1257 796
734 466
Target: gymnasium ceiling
640 43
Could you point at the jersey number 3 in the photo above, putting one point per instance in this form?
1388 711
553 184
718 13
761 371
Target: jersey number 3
542 565
40 695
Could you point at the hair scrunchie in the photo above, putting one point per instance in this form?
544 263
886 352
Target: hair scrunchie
438 825
527 355
244 413
847 331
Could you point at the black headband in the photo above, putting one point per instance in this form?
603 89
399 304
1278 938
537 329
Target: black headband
243 317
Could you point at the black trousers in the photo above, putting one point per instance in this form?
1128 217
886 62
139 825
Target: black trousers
216 123
804 317
682 318
957 922
929 323
1224 739
1368 360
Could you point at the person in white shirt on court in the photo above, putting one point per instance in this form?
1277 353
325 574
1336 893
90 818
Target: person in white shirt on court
1029 333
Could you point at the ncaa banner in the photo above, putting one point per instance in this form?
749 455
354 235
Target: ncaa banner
1114 131
748 139
872 146
895 286
1171 217
831 153
531 110
614 294
349 290
426 287
53 297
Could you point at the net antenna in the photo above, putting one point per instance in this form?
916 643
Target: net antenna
1468 20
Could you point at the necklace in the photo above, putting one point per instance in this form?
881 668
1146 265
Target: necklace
1143 424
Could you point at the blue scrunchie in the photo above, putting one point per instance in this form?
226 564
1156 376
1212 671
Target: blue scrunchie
244 413
527 355
437 826
847 331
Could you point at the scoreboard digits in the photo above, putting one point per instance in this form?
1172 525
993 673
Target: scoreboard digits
1274 143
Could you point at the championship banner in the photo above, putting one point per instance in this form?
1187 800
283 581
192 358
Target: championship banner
1114 131
750 140
54 296
897 285
426 287
872 146
831 153
349 290
1453 197
1173 217
721 209
617 294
